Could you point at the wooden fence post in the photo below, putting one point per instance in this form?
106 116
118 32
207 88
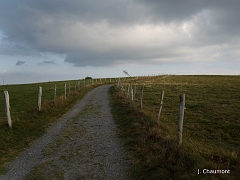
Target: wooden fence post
9 120
130 87
39 98
65 91
125 88
134 92
128 91
69 88
181 117
141 96
132 95
161 103
118 82
55 92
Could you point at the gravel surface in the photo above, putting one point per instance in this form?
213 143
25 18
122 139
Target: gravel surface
82 145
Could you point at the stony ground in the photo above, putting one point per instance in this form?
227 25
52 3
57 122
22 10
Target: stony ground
82 145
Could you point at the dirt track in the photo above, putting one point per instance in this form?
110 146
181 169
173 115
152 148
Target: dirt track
82 145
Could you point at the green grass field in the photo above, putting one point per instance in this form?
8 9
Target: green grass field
211 127
27 123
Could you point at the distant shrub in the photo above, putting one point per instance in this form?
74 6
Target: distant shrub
88 77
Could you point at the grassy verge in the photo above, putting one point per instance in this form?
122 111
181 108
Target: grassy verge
27 123
211 127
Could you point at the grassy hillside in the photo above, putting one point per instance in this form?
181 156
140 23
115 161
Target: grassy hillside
27 122
211 127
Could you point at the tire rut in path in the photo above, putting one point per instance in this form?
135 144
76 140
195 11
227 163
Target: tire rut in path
82 145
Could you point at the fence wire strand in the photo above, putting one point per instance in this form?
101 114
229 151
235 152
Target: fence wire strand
123 86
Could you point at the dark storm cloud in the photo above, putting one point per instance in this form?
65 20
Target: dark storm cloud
20 63
115 57
32 27
88 58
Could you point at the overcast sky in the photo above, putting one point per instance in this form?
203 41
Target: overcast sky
43 40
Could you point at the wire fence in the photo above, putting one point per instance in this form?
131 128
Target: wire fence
28 96
130 90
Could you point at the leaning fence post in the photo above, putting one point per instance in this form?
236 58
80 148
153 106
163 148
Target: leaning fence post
161 103
181 117
9 120
39 98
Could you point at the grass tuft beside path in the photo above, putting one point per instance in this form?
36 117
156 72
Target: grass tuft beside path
29 124
211 127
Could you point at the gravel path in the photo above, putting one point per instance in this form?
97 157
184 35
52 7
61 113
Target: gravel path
82 145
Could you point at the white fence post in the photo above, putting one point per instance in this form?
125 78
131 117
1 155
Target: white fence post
181 117
9 120
39 98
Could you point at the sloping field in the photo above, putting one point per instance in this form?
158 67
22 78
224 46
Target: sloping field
211 127
27 122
